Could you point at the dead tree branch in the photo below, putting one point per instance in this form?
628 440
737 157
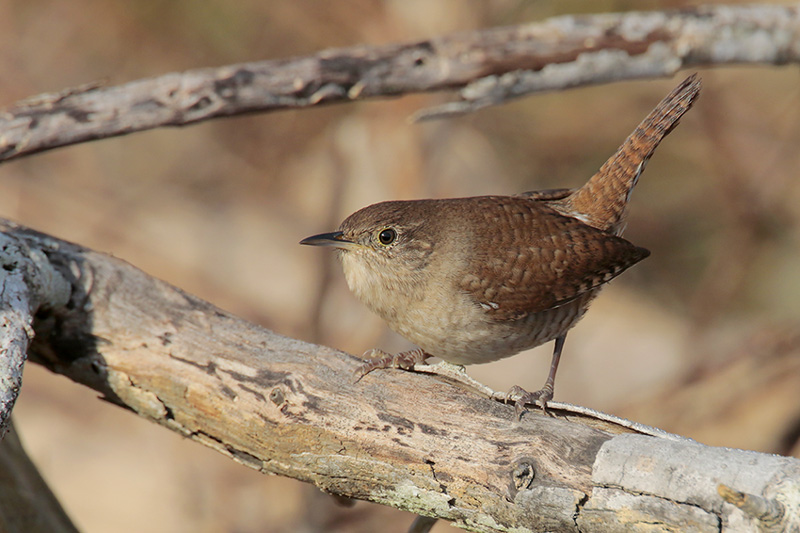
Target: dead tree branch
27 283
423 443
488 67
413 441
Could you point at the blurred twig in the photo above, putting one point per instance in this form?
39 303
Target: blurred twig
753 386
739 235
488 66
26 503
326 261
753 206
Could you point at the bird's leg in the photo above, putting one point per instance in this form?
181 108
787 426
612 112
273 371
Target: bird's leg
381 359
545 394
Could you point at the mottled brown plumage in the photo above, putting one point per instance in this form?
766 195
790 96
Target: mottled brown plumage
473 280
537 248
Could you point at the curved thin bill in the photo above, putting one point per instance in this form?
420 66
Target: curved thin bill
334 239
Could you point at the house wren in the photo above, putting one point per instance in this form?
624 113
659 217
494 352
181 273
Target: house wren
473 280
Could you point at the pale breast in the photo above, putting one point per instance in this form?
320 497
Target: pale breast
474 337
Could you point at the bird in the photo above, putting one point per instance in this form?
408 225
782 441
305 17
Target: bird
476 279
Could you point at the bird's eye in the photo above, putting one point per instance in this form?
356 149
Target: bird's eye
387 236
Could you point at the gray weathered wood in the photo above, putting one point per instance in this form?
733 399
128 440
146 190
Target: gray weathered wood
489 67
27 283
418 442
428 444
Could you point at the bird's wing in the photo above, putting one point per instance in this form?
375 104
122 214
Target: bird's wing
527 258
546 194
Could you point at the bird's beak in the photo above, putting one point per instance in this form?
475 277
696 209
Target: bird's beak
334 239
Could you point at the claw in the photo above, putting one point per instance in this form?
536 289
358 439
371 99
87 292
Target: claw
542 396
380 359
545 394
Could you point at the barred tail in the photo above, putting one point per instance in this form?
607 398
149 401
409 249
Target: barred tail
602 200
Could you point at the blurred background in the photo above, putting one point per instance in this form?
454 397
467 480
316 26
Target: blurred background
701 339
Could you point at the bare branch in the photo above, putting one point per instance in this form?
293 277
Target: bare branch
414 441
15 325
428 444
27 283
488 66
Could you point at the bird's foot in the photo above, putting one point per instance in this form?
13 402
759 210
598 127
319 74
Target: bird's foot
542 396
380 359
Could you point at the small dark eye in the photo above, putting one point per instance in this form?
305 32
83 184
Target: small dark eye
387 236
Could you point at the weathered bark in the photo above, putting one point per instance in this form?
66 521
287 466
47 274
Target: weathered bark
422 443
488 66
27 283
426 444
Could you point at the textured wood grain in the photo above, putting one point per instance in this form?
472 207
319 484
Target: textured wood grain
414 441
488 67
287 407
